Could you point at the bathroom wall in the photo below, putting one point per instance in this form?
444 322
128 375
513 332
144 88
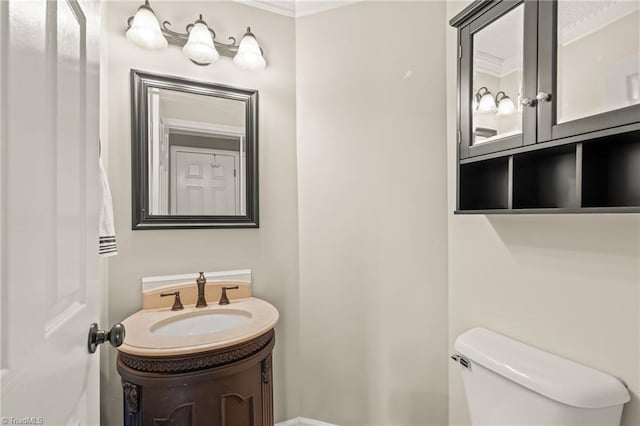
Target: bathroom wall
372 214
568 284
271 251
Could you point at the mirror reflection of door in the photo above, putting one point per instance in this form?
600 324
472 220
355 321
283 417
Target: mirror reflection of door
197 155
204 181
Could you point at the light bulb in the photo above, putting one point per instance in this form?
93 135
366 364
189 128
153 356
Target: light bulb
200 48
145 30
505 104
249 56
487 103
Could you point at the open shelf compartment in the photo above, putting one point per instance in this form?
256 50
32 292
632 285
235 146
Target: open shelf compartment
546 179
611 172
484 185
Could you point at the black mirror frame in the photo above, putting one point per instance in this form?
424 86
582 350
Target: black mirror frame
141 81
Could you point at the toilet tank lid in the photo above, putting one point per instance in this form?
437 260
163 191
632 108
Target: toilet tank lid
550 375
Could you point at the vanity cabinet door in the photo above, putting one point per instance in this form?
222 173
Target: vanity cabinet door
498 77
589 67
235 390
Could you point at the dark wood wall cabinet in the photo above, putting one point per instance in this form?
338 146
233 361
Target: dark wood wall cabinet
226 387
548 107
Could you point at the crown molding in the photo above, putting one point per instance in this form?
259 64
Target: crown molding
596 19
281 7
296 8
311 7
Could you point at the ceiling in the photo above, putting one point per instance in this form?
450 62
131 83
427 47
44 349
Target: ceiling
297 7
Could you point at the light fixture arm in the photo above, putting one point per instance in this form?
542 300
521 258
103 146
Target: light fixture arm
478 95
481 91
500 96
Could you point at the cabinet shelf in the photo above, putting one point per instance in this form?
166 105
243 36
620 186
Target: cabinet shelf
586 210
599 176
611 174
485 185
545 179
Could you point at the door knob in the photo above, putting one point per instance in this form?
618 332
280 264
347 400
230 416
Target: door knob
528 102
543 97
115 336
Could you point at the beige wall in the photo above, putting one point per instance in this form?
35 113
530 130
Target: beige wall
372 214
201 108
271 251
568 284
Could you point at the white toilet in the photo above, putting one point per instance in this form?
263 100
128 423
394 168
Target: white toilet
509 383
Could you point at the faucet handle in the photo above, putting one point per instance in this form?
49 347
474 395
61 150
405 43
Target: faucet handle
224 300
201 279
177 303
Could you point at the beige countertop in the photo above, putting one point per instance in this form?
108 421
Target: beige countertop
140 340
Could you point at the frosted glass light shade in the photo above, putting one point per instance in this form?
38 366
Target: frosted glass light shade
145 30
200 47
506 106
487 103
249 56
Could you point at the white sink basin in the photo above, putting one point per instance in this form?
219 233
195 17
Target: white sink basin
201 323
163 332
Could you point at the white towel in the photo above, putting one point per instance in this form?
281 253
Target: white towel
106 227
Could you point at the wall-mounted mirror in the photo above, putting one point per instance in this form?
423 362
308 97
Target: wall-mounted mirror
498 78
195 154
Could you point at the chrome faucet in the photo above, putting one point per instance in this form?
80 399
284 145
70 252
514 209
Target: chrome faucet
201 281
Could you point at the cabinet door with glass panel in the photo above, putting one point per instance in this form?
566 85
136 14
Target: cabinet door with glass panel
498 57
589 67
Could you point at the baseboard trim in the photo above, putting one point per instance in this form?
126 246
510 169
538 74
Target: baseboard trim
303 421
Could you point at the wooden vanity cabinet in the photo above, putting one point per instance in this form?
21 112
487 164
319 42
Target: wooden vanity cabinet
226 387
548 107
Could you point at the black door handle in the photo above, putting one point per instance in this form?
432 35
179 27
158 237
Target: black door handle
115 336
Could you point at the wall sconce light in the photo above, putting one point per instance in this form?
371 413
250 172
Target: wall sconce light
200 48
198 44
144 29
484 102
505 104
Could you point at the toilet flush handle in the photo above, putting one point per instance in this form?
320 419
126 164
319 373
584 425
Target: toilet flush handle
461 360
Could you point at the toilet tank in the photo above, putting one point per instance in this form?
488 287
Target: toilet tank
510 383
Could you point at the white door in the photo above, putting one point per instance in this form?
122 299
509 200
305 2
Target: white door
204 181
48 190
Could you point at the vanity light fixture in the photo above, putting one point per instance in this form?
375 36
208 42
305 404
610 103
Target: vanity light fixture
200 48
144 29
198 44
249 54
505 104
485 100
